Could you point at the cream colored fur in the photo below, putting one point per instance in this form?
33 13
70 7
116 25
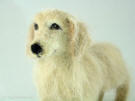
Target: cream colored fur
72 67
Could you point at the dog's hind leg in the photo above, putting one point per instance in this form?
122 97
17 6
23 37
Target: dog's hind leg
101 95
122 92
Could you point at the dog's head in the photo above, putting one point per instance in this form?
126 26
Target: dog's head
54 33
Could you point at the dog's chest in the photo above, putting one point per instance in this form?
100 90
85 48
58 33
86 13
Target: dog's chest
52 80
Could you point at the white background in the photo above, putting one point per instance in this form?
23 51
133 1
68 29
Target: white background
107 20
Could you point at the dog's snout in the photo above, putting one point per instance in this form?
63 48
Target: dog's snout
36 48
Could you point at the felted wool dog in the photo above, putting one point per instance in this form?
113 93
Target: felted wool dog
69 66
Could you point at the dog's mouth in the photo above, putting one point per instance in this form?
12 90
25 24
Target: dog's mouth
38 55
43 54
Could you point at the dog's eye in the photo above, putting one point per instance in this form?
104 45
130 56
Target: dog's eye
35 26
55 26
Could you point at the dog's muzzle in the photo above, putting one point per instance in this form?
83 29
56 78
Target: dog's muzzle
36 48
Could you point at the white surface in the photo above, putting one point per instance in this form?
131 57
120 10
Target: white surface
107 20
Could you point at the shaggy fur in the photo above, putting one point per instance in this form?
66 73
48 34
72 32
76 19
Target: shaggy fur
72 67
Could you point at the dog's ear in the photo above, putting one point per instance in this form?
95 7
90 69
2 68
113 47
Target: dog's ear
30 38
80 37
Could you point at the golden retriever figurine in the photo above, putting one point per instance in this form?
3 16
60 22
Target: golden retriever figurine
69 66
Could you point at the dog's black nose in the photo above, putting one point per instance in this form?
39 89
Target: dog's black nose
36 48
